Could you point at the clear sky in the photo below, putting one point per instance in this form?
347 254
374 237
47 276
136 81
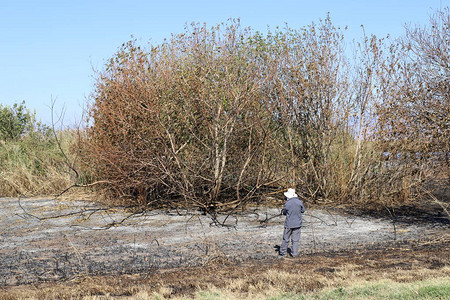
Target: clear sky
50 48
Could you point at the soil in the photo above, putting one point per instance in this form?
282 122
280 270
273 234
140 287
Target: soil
49 240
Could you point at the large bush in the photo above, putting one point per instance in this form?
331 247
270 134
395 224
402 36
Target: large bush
184 121
216 117
15 121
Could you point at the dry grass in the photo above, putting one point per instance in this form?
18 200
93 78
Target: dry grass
24 183
269 285
320 274
35 165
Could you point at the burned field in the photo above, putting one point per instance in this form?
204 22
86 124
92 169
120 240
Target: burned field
44 240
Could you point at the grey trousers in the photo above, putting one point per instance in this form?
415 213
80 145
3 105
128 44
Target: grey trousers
290 234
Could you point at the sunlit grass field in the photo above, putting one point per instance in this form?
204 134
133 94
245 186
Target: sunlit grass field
350 280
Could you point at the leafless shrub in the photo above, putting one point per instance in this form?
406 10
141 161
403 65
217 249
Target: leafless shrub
414 108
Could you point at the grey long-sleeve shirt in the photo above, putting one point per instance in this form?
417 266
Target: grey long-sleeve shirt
293 210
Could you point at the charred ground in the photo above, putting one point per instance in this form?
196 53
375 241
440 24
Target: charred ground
46 240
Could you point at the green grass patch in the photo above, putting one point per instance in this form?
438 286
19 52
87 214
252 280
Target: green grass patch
437 288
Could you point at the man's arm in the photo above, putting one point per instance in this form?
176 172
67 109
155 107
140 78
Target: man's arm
302 208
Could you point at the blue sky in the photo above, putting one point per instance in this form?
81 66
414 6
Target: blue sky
50 49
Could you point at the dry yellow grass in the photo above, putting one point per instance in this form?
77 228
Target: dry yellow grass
20 182
35 165
316 275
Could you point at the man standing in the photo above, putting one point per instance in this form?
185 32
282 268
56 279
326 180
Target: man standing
293 210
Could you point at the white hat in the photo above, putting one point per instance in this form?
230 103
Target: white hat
290 193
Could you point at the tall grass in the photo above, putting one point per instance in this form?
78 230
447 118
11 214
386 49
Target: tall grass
34 164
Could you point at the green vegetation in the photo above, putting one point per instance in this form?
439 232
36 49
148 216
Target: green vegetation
15 121
31 162
438 288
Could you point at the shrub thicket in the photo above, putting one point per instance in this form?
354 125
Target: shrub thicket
413 110
185 121
216 117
